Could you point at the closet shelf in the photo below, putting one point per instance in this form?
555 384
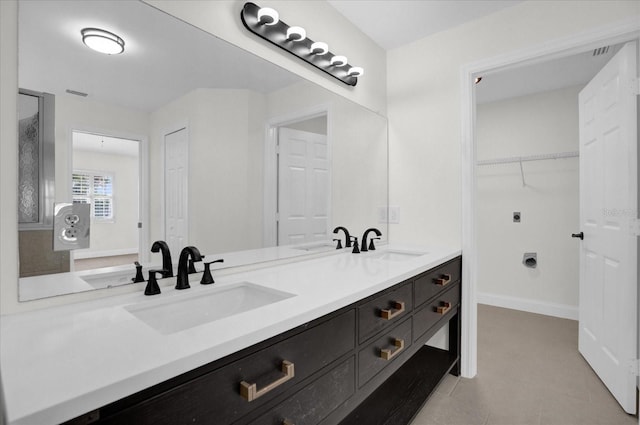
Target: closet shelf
514 159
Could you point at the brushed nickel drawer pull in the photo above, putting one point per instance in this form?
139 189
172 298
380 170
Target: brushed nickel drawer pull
388 354
444 307
388 314
250 391
443 280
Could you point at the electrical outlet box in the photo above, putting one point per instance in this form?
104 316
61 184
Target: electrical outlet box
71 225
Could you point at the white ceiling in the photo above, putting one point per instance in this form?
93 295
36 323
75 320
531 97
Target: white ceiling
393 23
96 143
164 58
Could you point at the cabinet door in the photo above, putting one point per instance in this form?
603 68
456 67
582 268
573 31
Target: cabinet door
384 311
436 280
215 398
317 400
444 305
383 351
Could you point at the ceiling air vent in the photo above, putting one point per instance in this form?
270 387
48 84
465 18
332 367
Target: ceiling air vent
600 51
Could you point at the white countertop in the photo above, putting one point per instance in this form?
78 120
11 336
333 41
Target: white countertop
64 361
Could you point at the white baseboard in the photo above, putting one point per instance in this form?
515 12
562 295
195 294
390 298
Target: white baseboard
563 311
81 254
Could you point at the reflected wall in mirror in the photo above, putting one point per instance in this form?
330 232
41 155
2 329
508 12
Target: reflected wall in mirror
208 117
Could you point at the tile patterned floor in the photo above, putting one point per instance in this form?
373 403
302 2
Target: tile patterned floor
530 373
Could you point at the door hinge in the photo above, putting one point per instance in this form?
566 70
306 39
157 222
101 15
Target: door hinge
634 367
277 216
635 86
635 227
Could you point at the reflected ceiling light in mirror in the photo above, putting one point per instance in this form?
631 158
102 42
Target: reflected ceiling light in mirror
296 34
268 16
102 41
339 60
295 41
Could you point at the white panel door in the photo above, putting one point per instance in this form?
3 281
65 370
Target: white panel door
303 187
175 190
608 211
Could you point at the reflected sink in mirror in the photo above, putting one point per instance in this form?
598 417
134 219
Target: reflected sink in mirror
318 247
397 255
111 278
176 314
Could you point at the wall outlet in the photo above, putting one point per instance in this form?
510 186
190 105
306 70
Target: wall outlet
71 224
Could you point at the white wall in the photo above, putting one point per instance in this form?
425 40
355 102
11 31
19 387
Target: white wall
120 235
542 123
425 104
225 159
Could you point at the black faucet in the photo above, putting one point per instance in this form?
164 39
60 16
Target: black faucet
207 279
347 236
364 247
182 282
139 277
167 267
152 287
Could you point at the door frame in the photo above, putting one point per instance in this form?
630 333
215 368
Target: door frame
270 174
143 178
619 32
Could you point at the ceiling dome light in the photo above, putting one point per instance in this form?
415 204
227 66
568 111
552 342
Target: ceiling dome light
356 71
339 60
319 48
102 41
296 34
268 16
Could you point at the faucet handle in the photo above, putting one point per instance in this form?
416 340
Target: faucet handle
207 279
372 247
356 248
192 265
139 277
339 246
152 285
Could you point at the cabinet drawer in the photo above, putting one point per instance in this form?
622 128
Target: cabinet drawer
384 311
216 396
439 307
437 280
383 351
314 402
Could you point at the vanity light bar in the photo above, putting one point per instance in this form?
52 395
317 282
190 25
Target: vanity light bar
294 40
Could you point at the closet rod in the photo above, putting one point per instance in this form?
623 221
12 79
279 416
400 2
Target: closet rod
521 159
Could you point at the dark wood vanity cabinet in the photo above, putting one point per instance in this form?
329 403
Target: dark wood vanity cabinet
363 364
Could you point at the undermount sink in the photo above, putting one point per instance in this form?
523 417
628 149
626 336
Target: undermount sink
180 313
397 255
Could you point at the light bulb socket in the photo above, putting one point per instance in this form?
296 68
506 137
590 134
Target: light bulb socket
319 48
268 16
296 34
339 60
355 71
102 41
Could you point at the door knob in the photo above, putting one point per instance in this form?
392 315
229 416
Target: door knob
578 235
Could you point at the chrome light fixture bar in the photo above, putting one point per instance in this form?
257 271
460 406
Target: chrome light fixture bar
267 25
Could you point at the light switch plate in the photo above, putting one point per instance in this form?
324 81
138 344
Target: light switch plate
71 226
394 215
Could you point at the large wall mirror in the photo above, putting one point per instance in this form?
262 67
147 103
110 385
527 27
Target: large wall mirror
186 138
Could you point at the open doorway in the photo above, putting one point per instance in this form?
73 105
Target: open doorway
106 175
473 187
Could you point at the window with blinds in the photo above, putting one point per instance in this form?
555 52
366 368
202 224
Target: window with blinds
95 189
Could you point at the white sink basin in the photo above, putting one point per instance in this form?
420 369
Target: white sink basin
318 247
397 255
183 312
